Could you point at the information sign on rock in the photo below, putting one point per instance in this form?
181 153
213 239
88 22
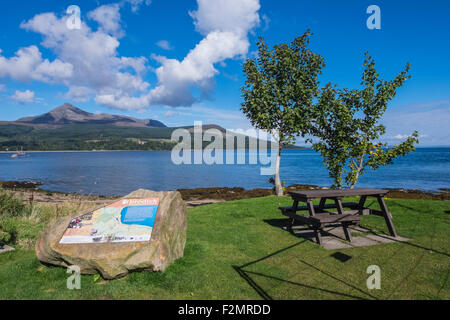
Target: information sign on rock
127 220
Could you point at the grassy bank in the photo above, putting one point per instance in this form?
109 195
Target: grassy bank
236 250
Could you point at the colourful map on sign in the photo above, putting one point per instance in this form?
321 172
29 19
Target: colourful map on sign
127 220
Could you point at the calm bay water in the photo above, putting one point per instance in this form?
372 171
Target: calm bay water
118 173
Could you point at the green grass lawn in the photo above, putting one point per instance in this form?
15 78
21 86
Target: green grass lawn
235 250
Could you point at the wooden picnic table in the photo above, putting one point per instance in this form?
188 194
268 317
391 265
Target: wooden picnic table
319 215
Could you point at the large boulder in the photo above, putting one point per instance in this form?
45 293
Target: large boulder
116 259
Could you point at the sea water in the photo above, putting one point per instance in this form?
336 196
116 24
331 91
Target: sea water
118 173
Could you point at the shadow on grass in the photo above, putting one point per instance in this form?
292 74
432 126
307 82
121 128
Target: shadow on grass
337 279
282 224
370 231
260 291
414 209
246 275
303 231
342 257
383 234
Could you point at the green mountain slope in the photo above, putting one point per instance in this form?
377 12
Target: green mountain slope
70 128
84 137
91 137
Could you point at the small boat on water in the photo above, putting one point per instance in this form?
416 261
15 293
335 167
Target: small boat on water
20 153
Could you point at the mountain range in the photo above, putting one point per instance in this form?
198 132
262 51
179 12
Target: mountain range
69 114
70 128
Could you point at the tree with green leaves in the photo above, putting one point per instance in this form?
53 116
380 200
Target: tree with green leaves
281 84
348 130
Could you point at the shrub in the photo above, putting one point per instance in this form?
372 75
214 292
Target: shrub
8 232
10 206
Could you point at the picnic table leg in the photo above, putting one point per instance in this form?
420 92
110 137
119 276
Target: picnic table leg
292 220
362 201
322 204
340 209
348 234
318 236
387 216
310 207
339 206
317 229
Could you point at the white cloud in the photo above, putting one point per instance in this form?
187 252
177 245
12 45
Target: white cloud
197 68
136 4
96 66
232 77
400 136
236 16
108 18
79 93
27 64
164 44
2 87
266 20
23 97
404 136
225 24
431 120
87 61
169 114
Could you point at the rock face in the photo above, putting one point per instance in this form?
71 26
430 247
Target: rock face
114 260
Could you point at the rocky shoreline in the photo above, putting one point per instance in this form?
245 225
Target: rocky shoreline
30 191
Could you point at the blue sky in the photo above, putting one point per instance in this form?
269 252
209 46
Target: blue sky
181 61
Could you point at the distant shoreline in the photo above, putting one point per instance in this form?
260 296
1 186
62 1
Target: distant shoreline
67 151
33 188
60 151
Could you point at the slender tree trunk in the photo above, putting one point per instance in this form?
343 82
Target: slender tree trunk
358 172
278 186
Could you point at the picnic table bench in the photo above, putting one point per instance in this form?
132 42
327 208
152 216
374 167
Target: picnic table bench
319 216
